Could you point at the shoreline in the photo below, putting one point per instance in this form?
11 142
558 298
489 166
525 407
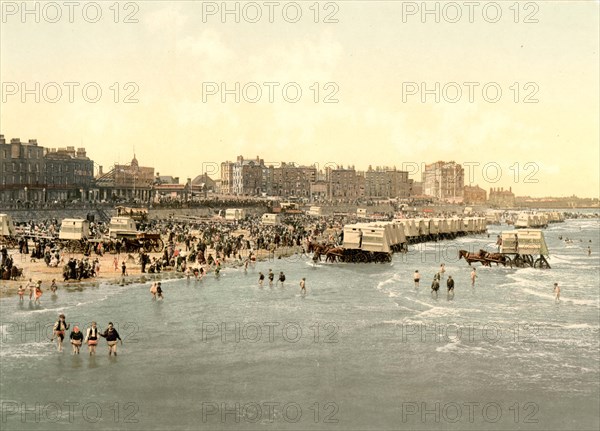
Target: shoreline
37 270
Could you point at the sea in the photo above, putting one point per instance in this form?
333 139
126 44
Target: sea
362 349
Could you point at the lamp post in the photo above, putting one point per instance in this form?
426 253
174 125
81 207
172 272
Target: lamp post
25 193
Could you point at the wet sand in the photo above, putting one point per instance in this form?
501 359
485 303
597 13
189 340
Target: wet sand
37 270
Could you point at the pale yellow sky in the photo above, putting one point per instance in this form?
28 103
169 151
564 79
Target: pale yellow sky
368 61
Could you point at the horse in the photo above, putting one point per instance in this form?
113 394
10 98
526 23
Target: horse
496 257
314 246
472 257
318 249
333 253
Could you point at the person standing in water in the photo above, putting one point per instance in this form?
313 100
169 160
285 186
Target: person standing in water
473 277
53 287
112 336
450 286
21 292
303 285
261 278
31 286
59 331
556 293
91 338
159 293
153 290
271 277
38 292
416 278
435 285
281 278
76 339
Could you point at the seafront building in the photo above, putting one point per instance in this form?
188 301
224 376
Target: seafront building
501 198
32 173
126 181
444 181
474 195
386 182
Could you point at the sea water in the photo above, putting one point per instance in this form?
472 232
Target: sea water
362 349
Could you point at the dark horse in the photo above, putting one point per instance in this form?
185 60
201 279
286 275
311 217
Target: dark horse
318 249
472 257
499 258
333 253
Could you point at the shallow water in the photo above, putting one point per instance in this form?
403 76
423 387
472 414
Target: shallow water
363 349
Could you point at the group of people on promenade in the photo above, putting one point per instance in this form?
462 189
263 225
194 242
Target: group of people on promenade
92 333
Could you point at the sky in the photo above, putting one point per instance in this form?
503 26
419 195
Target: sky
509 89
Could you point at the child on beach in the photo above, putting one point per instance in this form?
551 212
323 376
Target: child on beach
38 292
21 292
31 286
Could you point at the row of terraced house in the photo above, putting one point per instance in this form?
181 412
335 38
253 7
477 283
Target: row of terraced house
30 172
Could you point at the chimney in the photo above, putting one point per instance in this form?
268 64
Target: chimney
176 180
33 142
100 173
2 140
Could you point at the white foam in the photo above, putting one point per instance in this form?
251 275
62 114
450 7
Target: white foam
580 326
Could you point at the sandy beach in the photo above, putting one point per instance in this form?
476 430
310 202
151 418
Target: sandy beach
36 269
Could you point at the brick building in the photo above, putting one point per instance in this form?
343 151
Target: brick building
345 184
385 182
69 174
474 195
32 173
501 198
291 180
248 176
